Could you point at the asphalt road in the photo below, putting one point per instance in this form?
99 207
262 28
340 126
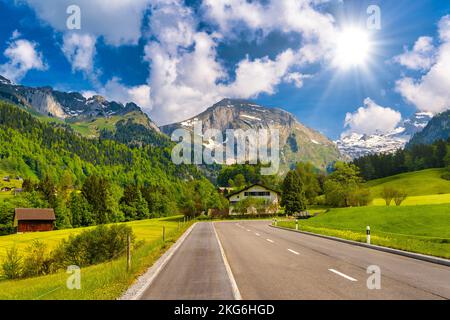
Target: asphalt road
195 272
269 263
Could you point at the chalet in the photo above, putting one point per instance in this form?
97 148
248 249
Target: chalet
6 189
6 179
32 220
257 191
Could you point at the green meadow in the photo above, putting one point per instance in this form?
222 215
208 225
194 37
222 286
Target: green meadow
421 228
103 281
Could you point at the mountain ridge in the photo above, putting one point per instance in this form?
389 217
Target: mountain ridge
71 107
297 142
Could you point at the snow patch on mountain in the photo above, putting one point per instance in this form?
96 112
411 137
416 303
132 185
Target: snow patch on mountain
357 145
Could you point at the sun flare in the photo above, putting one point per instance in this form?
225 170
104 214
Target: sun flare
353 48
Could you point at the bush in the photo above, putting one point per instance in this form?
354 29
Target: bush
12 266
360 197
399 197
38 261
388 194
94 246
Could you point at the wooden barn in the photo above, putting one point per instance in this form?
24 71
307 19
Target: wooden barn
32 220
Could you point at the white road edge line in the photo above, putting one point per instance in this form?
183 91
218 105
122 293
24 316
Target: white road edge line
294 252
142 283
271 241
236 293
343 275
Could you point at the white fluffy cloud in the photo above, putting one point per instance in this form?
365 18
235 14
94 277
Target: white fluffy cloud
79 49
421 57
119 22
114 90
431 92
23 56
186 75
371 118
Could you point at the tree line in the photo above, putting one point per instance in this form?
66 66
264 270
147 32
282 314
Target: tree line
413 158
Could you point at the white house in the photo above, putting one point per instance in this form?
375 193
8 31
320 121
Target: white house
256 191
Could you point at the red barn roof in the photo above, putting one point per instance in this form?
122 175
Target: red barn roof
22 214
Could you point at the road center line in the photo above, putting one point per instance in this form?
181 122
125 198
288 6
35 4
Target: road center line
249 230
257 234
271 241
294 252
342 275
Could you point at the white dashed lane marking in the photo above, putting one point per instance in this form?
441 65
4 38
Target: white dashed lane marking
342 275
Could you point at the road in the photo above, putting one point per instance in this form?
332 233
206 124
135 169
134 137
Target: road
269 263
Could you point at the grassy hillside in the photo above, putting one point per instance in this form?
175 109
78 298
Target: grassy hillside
419 183
103 281
422 228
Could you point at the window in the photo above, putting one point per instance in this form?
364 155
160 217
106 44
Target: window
257 194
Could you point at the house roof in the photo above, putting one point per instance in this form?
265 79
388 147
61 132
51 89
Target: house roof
22 214
250 186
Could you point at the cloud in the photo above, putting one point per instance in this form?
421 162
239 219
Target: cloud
186 74
22 56
296 78
114 90
117 21
317 28
421 57
431 93
79 50
371 118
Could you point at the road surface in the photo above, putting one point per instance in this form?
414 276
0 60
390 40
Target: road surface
269 263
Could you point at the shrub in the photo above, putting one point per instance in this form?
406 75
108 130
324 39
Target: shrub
388 194
399 197
12 266
94 246
38 261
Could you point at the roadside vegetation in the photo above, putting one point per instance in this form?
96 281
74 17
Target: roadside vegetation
106 280
423 229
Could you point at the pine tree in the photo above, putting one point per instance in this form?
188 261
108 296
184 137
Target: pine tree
293 195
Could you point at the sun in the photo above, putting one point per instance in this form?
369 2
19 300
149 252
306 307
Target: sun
352 48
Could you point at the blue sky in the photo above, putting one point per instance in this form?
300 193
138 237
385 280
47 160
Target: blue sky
175 58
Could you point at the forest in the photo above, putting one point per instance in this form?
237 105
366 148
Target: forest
94 181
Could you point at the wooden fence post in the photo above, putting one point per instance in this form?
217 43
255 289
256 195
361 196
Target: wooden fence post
164 234
128 252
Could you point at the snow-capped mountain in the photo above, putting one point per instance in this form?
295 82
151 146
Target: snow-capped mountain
297 142
357 145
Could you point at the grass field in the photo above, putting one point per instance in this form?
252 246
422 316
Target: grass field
104 281
419 183
418 200
422 228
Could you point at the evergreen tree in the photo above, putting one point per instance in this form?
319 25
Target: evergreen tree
293 194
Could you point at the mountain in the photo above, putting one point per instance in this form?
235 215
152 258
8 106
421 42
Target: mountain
357 145
437 128
297 142
88 116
